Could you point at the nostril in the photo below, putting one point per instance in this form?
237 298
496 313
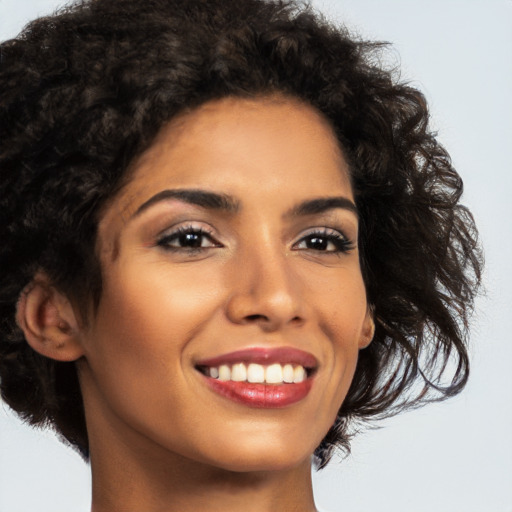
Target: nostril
257 317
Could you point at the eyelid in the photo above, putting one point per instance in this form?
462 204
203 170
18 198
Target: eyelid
333 235
322 230
187 227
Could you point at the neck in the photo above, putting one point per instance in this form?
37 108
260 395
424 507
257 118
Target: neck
127 484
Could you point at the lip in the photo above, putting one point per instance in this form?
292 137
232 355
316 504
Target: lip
265 356
262 395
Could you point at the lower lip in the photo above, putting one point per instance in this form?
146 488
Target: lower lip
263 396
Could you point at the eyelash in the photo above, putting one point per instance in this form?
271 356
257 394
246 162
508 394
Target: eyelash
342 244
199 233
325 237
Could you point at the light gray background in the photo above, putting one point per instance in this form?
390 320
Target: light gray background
452 457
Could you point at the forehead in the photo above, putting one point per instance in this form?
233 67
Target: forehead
236 146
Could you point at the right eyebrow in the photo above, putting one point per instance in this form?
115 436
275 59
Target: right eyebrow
322 204
203 198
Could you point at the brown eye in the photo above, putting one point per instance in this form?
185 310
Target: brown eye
329 241
319 243
188 239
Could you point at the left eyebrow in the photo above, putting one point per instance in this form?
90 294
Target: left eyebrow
202 198
321 205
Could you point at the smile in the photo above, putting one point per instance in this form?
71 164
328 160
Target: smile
261 378
256 373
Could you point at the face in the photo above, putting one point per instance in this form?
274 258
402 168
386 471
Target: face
233 306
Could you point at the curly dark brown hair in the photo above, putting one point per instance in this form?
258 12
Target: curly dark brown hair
84 92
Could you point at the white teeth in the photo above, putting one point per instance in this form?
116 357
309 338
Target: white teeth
299 374
288 373
274 374
257 373
224 372
239 372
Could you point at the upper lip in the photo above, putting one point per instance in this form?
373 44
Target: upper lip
263 356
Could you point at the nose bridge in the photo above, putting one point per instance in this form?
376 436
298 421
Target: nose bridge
264 287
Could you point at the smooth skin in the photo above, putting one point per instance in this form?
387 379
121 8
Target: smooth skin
189 276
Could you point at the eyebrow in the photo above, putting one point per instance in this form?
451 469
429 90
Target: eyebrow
320 205
223 202
203 198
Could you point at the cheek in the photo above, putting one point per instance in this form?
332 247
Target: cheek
343 311
139 342
147 319
156 306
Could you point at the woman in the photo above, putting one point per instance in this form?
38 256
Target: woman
229 238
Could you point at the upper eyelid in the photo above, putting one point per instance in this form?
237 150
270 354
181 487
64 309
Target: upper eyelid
205 229
165 237
337 236
324 230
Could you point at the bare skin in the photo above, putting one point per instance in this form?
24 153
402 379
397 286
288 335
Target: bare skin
184 282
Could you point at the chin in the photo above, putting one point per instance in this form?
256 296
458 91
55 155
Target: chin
264 456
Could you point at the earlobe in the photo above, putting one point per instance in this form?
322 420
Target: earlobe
368 329
48 321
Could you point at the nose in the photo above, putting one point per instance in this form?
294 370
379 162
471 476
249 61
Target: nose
265 292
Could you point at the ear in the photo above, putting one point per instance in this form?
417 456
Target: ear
368 329
48 321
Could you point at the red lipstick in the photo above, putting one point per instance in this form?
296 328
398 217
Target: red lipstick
261 394
259 355
271 396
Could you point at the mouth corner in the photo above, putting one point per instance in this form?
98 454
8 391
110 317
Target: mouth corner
202 369
311 371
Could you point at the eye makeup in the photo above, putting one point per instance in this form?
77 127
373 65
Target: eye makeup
325 240
188 238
